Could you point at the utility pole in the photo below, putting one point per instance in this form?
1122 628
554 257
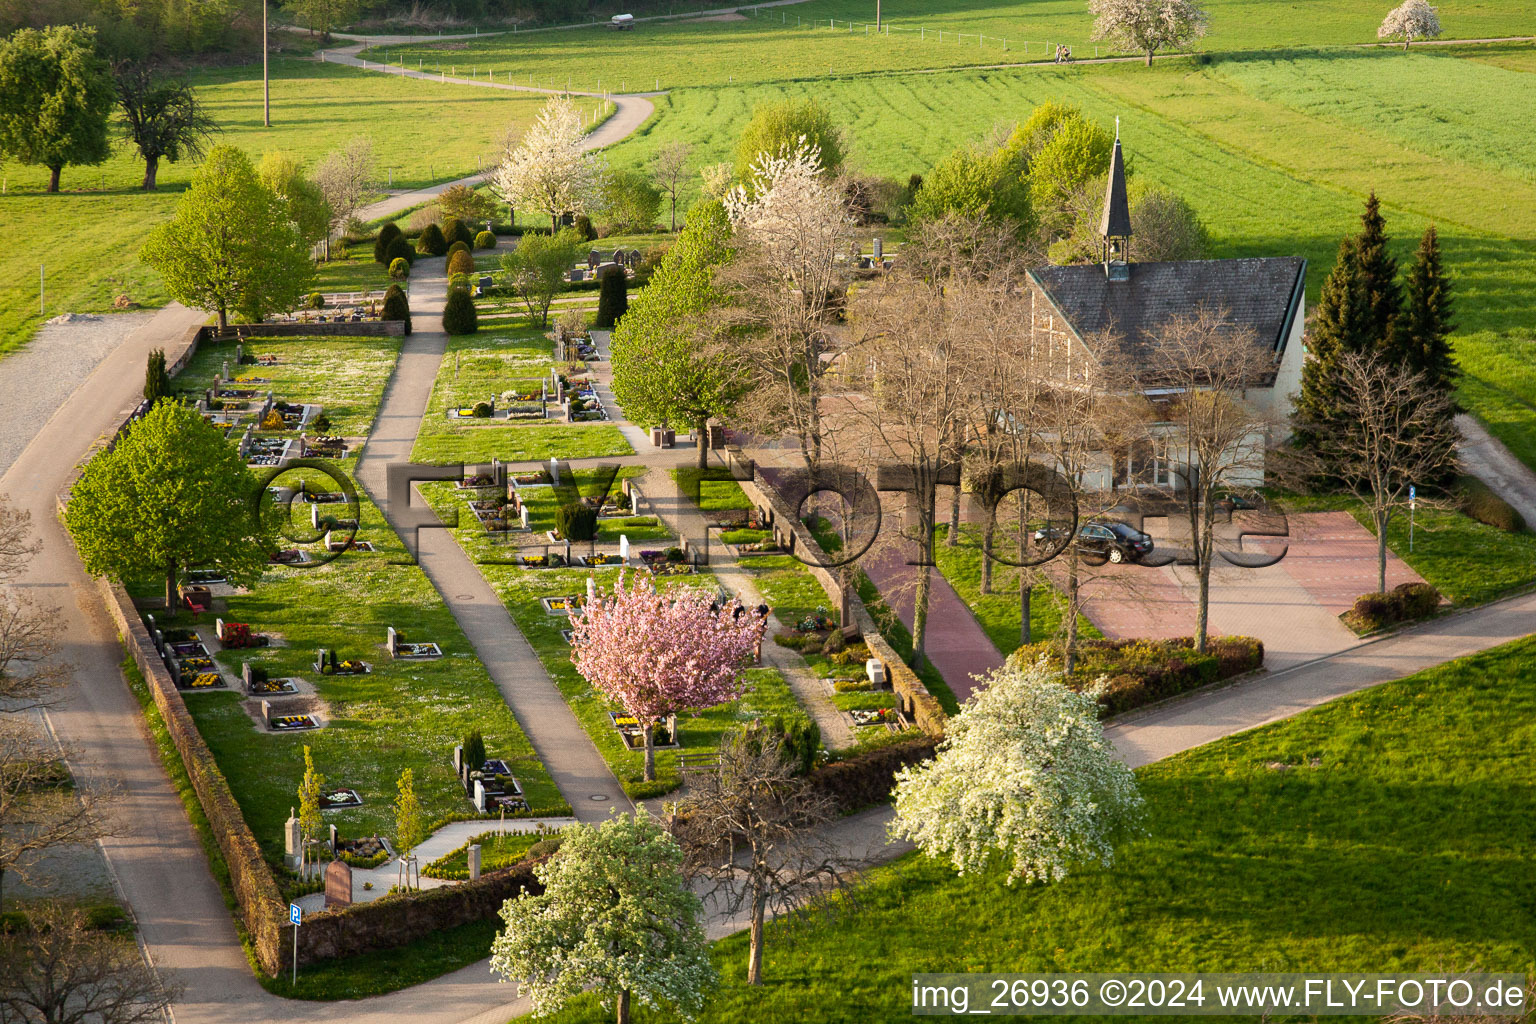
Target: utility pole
266 82
877 15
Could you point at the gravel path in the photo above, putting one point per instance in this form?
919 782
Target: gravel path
36 380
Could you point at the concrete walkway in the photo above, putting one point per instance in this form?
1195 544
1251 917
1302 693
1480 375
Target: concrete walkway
1486 458
565 749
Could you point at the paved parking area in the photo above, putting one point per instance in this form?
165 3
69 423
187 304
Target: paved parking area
1293 606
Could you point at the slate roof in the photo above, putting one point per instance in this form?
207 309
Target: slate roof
1116 222
1263 293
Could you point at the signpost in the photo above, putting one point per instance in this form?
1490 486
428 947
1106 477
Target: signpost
1413 495
295 914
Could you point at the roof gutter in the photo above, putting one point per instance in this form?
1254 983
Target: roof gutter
1298 290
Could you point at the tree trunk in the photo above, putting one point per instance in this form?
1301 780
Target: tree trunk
920 614
1381 518
1203 608
223 319
53 177
986 554
151 171
1026 598
953 536
621 1014
1069 634
554 224
701 435
674 212
1149 58
755 948
650 750
170 588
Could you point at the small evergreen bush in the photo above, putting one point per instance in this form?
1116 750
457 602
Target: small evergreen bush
460 283
459 316
386 237
1479 502
482 410
431 241
457 247
399 269
397 306
485 240
612 298
157 383
454 230
576 521
584 228
461 262
316 300
474 750
400 249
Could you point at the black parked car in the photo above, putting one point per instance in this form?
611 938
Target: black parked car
1118 542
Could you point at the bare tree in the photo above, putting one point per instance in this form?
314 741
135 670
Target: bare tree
30 675
57 968
40 807
756 804
16 543
793 236
670 171
1399 433
1213 439
344 177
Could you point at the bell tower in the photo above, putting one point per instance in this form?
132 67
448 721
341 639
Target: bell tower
1115 225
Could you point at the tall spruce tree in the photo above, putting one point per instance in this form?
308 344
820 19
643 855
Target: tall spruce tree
1425 327
1378 279
1340 324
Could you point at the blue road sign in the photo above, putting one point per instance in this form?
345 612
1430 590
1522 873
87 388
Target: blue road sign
295 913
1413 492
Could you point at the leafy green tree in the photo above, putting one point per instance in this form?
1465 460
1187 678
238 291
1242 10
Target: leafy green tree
230 244
974 183
311 823
1163 225
306 207
669 364
323 15
171 494
1076 153
56 96
409 828
460 202
536 269
616 917
776 129
1424 330
162 118
632 201
157 383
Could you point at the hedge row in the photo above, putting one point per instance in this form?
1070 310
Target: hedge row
1407 602
1145 671
1486 507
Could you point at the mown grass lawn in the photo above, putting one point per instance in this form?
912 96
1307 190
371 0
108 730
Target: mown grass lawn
315 108
711 489
344 375
1498 384
478 367
1467 561
1395 838
356 273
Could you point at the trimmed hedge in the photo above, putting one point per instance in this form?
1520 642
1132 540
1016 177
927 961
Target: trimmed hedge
612 297
457 247
867 779
1145 671
399 269
397 306
386 237
459 316
1407 602
1479 502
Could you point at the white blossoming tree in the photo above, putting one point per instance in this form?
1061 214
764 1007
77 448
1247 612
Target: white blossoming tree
1024 774
1415 19
616 917
1147 26
549 169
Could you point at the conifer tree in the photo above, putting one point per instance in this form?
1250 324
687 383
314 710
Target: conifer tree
1378 279
1341 324
1426 322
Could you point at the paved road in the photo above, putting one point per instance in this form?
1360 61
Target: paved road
1486 458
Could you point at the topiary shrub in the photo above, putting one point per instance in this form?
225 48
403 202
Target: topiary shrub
431 241
455 230
321 423
386 237
460 283
400 249
612 297
474 750
576 521
583 226
1370 613
1486 507
485 240
457 247
397 306
316 300
399 269
482 410
459 316
461 262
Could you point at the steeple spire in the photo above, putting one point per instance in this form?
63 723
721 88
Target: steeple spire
1115 225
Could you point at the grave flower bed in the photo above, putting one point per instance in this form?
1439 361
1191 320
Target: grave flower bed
200 681
272 686
237 635
561 605
338 798
550 561
532 479
366 853
478 480
292 723
874 716
601 559
179 636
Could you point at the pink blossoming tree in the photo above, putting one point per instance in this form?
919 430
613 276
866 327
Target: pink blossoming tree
662 654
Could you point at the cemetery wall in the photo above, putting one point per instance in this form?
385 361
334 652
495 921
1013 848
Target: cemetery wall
393 921
916 702
362 329
260 904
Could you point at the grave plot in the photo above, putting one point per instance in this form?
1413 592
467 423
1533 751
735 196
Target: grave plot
256 682
328 664
667 562
340 798
490 786
566 605
663 731
186 657
404 650
234 636
295 714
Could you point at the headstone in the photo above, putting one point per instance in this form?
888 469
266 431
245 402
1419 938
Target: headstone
578 275
245 676
624 546
320 659
554 470
593 259
479 796
474 861
225 374
293 839
523 515
314 515
389 639
338 884
592 588
159 641
333 840
239 353
879 249
458 757
266 713
218 629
